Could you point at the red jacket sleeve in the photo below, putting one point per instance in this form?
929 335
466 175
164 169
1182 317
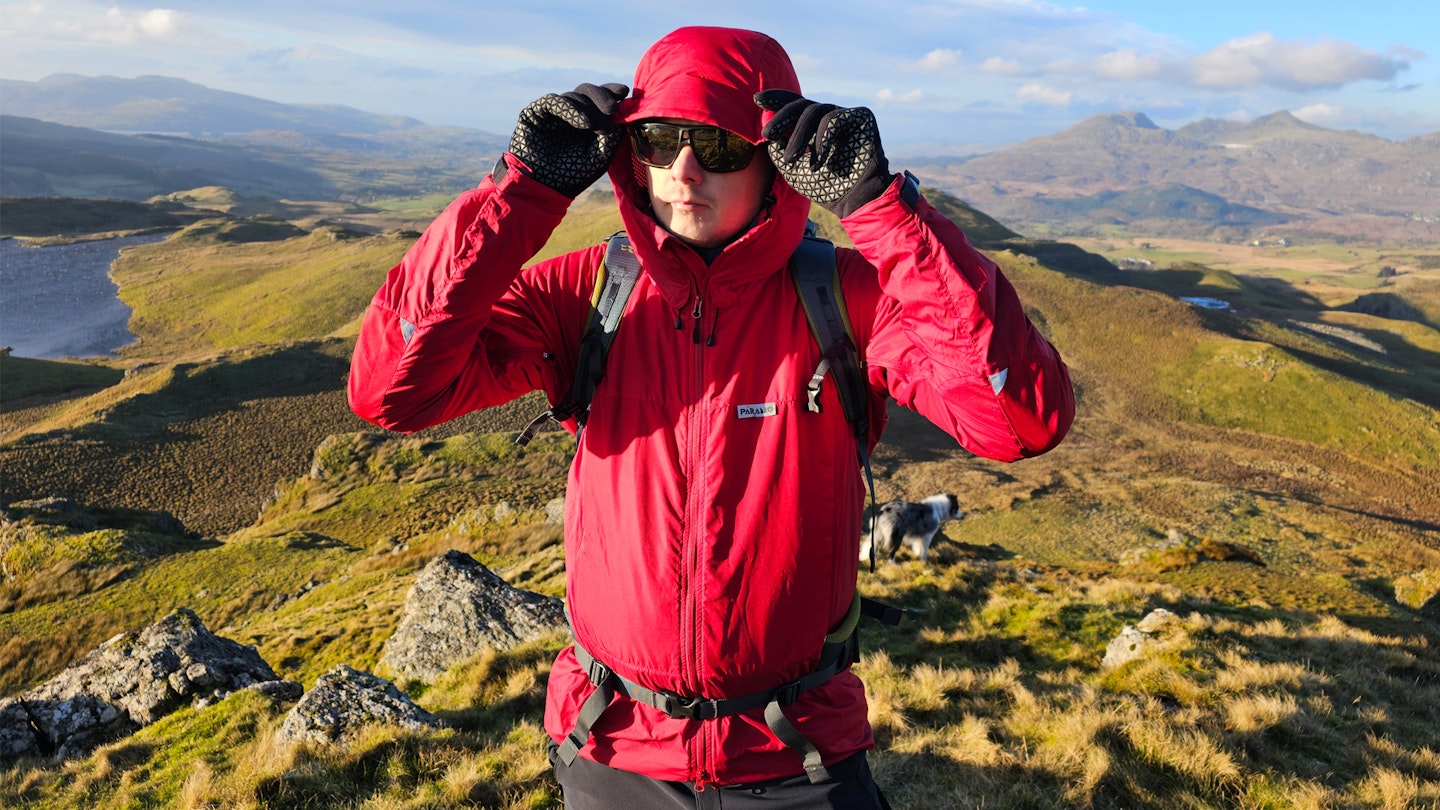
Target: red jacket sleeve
956 346
456 327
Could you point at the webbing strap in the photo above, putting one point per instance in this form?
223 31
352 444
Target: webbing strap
817 280
614 282
880 612
837 654
590 712
786 732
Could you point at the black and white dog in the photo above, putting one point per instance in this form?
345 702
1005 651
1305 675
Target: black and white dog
914 524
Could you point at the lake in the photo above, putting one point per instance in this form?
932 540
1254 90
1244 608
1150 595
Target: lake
60 302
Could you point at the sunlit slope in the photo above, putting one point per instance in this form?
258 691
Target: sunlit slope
235 283
367 512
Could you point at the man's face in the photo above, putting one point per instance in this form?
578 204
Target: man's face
704 208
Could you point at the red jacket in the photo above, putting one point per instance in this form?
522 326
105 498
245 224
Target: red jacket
708 554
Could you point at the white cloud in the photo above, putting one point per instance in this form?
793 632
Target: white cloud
1044 95
1321 113
939 59
1129 64
1263 60
888 96
1002 67
133 27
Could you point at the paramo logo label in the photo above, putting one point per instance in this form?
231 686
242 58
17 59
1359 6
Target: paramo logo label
756 411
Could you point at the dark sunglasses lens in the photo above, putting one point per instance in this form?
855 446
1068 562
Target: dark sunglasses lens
718 150
657 144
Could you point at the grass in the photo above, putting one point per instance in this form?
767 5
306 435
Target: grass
49 220
189 293
24 378
993 695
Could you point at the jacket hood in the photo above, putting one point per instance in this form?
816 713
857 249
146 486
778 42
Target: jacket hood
710 75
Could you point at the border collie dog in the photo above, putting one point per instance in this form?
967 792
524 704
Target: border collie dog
910 523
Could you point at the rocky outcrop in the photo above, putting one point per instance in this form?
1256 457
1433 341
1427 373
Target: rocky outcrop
345 699
1136 640
457 608
1420 590
129 682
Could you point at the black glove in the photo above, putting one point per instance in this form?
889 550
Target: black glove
830 154
568 139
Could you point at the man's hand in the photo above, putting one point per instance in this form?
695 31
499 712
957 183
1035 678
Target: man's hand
830 154
567 140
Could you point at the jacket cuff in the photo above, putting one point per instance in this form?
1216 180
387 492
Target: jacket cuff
904 188
511 176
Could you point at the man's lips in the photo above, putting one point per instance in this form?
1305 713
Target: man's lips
689 204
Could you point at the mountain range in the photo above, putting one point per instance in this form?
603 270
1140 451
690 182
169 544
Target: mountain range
169 105
1213 178
1101 170
132 139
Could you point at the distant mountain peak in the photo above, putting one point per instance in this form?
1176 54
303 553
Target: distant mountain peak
1282 118
1119 120
153 103
1138 120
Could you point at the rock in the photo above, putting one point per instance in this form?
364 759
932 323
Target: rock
286 691
555 511
279 691
345 699
1126 647
458 607
1155 620
1135 640
128 682
1419 590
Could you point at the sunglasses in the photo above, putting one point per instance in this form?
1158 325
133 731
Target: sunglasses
718 150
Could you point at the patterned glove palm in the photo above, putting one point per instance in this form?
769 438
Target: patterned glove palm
568 139
830 154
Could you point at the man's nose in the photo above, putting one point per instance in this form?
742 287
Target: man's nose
686 167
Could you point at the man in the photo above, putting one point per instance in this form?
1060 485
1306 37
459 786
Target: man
712 519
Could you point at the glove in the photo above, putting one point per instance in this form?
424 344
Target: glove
567 140
830 154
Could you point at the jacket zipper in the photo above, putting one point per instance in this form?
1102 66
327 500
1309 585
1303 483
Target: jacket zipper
694 532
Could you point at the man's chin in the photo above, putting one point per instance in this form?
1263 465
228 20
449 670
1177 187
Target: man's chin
695 234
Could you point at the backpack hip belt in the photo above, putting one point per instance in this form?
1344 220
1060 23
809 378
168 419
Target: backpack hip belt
841 649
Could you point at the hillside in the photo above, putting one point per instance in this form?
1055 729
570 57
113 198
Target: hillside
1305 178
42 158
1263 473
168 105
1211 179
83 136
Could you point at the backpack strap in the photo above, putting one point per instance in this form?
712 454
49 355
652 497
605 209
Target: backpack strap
614 282
840 650
817 279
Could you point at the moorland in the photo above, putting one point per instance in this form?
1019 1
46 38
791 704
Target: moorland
1265 470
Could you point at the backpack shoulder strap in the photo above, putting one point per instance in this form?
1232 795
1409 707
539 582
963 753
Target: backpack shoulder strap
817 280
614 282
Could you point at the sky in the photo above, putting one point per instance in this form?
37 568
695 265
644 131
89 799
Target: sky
960 73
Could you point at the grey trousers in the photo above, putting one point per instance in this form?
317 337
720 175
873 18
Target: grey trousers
591 786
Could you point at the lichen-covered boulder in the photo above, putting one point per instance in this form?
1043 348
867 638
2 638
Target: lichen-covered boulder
128 682
345 699
457 608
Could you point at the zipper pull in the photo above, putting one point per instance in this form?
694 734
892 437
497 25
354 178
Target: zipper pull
695 334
